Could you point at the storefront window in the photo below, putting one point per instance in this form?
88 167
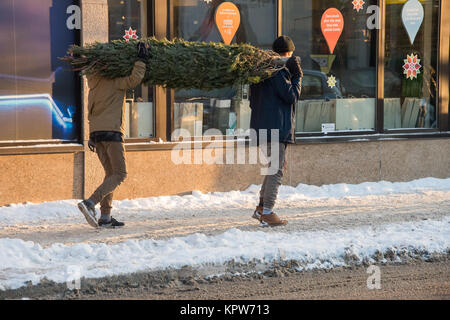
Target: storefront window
338 52
39 95
128 19
225 110
411 64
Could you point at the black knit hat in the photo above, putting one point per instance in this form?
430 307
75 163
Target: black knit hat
283 44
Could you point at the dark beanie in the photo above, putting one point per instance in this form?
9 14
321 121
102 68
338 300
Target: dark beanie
283 44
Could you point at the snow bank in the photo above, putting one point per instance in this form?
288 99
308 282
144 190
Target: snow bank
27 261
60 211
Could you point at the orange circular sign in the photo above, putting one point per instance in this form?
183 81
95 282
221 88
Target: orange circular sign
332 25
228 19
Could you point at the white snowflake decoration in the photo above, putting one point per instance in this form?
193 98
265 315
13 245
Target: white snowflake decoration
332 81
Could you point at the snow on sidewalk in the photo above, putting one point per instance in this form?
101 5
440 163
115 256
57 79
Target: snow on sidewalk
27 261
337 245
62 211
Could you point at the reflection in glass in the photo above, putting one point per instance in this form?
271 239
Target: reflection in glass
39 96
223 111
349 104
139 110
410 99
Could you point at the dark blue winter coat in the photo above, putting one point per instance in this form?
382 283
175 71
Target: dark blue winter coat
273 104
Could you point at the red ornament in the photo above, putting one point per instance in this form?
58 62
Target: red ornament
412 66
130 34
358 4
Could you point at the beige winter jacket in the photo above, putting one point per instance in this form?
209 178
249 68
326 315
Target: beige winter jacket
107 99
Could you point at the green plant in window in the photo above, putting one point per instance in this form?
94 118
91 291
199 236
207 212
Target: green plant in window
412 87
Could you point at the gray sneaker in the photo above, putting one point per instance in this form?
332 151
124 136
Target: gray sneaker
87 208
113 223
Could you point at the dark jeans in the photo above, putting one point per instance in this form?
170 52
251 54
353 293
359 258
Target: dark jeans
271 183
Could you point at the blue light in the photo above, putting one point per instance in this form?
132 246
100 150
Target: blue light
23 101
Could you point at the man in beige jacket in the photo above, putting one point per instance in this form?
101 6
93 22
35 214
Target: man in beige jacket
107 128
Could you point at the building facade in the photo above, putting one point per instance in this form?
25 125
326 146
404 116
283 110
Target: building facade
374 105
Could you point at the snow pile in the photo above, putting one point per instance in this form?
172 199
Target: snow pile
27 261
61 211
35 213
287 195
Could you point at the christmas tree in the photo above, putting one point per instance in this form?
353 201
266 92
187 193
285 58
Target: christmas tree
178 64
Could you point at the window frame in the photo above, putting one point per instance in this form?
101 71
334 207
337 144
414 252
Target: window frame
397 131
149 16
166 29
163 99
171 93
380 132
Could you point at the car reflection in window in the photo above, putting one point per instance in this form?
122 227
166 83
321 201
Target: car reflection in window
362 83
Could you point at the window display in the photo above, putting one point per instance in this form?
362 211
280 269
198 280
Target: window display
411 64
338 53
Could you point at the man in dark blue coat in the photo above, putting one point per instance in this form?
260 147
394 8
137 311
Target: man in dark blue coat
273 104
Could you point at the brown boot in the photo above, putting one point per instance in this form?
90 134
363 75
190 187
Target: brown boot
258 212
272 220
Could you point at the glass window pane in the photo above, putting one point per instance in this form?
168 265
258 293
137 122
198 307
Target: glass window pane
339 86
410 68
223 111
139 110
39 95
